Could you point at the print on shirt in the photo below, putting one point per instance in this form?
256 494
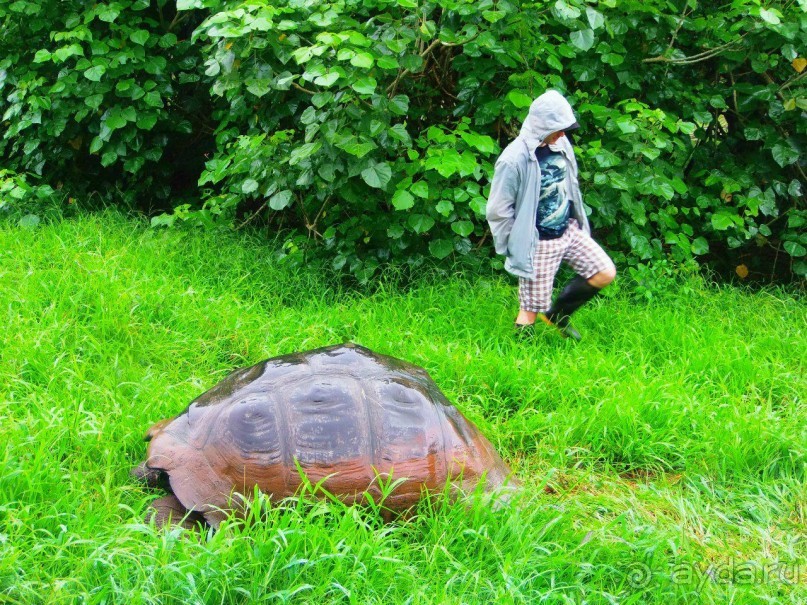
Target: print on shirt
553 204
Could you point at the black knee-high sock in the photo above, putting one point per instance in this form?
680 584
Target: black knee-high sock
576 293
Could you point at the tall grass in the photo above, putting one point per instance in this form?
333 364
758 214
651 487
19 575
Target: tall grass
671 440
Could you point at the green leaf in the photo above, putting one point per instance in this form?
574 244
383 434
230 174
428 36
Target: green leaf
554 62
795 249
321 99
403 200
303 151
281 199
249 186
29 221
363 60
420 189
440 248
213 67
395 231
753 134
796 220
139 36
565 11
612 59
463 228
365 86
114 119
108 13
146 121
377 175
420 223
723 220
108 158
94 101
96 145
386 62
399 132
358 149
519 99
284 80
444 207
259 87
152 99
664 188
769 16
41 56
483 143
595 18
494 16
626 125
679 185
303 54
399 105
700 246
94 73
784 154
327 80
64 53
583 39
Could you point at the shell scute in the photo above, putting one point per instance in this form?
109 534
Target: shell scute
326 421
252 426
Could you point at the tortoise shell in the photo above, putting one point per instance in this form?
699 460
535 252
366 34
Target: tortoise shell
343 414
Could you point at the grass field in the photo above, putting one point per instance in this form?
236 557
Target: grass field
663 458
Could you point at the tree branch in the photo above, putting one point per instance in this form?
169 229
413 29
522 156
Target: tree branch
677 29
298 87
391 88
251 218
704 56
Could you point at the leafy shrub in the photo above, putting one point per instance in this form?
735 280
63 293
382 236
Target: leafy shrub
24 201
370 127
101 94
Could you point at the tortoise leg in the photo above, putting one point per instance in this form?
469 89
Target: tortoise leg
168 510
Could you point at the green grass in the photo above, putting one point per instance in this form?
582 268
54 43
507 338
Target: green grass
663 458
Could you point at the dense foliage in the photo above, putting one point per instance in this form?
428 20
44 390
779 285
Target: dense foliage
370 127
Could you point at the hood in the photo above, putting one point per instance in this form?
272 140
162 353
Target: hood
548 113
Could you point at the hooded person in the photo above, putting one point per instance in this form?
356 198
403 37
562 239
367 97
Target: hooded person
537 219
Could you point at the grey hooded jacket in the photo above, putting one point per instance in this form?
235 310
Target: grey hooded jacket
516 185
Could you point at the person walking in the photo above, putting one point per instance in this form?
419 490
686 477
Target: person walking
536 216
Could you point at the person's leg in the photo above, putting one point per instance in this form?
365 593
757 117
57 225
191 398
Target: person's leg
595 270
535 295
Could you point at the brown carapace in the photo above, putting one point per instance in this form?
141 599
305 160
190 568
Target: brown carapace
342 414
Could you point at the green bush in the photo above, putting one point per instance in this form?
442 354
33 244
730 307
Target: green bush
369 127
101 95
24 199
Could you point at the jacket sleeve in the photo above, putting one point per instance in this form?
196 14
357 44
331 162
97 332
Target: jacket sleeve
500 210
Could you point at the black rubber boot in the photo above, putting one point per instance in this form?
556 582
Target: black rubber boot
576 293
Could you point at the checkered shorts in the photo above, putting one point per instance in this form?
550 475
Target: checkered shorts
575 247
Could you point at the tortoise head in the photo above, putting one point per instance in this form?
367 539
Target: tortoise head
152 477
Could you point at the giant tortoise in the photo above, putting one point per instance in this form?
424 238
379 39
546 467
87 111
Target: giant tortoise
343 415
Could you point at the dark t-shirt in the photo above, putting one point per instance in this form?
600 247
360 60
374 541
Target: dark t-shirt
554 205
